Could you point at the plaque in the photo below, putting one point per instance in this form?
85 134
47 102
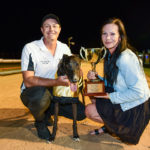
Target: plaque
94 88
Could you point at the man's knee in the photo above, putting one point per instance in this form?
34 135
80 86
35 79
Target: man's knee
36 97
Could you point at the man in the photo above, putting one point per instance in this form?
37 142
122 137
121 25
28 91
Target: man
39 64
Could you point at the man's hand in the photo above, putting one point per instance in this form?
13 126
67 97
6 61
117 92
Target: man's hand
63 81
30 80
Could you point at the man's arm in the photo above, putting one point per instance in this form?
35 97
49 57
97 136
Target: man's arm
30 80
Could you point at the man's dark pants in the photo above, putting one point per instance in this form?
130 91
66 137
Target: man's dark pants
38 101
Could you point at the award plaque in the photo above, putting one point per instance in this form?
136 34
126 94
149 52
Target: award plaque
93 55
94 88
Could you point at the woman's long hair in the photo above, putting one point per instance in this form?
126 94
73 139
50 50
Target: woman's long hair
110 68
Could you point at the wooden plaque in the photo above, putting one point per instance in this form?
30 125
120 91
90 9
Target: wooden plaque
92 88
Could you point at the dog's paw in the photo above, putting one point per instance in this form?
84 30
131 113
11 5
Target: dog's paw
76 139
50 140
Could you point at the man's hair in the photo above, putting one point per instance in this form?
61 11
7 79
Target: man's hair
50 16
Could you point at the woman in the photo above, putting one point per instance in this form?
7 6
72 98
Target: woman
124 110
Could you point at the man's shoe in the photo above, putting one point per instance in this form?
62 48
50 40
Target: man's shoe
42 130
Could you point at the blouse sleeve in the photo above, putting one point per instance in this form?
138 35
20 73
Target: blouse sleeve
130 70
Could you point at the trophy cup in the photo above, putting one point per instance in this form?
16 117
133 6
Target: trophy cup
93 55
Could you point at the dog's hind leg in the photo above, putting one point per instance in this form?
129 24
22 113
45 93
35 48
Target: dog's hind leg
55 121
75 132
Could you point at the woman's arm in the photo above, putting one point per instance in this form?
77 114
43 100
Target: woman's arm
132 86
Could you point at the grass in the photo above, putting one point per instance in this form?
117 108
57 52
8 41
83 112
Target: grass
147 71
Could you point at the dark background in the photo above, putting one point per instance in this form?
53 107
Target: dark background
20 22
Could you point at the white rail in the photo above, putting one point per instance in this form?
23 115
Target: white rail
10 60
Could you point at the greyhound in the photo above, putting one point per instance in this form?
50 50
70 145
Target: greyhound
70 66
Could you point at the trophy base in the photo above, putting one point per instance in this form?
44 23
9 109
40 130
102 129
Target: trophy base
94 88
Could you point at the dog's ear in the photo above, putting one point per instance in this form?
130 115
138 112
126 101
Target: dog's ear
77 58
66 61
60 71
62 65
65 57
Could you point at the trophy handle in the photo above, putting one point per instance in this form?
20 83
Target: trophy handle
85 51
103 49
100 58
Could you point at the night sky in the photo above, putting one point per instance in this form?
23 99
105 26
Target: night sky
20 22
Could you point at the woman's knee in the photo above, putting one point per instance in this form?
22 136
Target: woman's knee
88 110
91 113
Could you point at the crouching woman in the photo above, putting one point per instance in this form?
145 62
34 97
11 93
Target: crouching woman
125 110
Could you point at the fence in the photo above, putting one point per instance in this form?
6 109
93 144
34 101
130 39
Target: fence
10 66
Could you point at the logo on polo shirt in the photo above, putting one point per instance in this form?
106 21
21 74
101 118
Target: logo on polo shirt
45 61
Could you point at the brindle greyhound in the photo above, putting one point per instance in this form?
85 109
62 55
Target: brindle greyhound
70 66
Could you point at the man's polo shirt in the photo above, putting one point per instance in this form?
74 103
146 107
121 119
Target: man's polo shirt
36 57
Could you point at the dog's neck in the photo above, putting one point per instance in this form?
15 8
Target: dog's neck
65 91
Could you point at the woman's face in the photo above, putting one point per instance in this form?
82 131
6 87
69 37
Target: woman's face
110 37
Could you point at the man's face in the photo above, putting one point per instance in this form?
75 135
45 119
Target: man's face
50 29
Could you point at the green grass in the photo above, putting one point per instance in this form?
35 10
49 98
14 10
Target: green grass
147 71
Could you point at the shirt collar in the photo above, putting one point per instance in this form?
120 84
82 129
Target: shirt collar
42 45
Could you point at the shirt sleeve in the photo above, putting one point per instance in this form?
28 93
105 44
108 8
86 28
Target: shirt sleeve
26 60
67 50
132 74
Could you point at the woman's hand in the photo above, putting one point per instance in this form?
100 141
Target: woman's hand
91 75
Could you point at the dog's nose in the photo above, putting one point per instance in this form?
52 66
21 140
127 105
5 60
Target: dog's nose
74 80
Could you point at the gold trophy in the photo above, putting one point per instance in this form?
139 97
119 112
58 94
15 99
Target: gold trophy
93 55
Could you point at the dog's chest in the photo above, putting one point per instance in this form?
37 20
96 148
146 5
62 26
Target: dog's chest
64 91
67 91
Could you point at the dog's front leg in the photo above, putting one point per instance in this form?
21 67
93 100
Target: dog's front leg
56 111
75 132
